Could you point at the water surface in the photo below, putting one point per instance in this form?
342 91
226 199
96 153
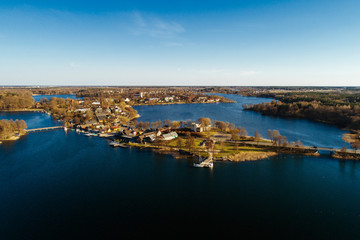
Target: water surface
71 96
58 185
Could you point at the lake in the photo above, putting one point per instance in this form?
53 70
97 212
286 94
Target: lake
71 96
58 185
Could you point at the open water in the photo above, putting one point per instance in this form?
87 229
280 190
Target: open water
58 185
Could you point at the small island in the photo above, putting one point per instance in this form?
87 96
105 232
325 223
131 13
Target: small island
218 140
12 130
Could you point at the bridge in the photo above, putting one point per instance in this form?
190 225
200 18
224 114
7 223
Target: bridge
44 129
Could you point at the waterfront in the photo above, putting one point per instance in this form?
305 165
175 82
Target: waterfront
56 184
310 133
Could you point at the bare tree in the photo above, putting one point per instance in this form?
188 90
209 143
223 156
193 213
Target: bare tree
257 136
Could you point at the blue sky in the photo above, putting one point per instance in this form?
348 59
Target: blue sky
303 42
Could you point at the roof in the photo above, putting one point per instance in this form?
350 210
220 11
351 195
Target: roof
169 136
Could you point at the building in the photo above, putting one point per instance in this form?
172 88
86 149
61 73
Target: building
169 136
138 95
196 127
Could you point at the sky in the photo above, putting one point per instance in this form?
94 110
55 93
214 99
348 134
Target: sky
222 43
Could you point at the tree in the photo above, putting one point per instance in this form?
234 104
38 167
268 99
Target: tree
140 125
210 144
179 143
299 144
234 133
243 132
220 125
190 143
275 135
204 122
146 125
257 136
353 140
175 124
167 123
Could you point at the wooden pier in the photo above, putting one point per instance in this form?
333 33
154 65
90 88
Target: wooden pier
44 129
206 163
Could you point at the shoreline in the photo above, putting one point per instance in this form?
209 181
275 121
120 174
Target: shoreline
240 156
23 110
173 103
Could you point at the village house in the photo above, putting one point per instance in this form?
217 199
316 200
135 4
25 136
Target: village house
100 117
169 136
169 99
196 127
138 95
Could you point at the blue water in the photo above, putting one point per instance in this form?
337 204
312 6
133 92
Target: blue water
308 132
32 119
71 96
58 185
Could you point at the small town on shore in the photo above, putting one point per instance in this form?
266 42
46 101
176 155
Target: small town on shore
109 113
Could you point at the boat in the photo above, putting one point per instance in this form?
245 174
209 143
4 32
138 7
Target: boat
116 144
201 165
206 163
113 143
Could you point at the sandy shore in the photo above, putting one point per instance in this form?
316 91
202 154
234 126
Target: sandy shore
13 138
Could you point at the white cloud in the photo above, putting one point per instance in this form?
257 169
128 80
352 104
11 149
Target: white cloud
154 26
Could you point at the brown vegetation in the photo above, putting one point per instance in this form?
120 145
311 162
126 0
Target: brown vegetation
10 129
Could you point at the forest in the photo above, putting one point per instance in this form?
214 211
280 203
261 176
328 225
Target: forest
16 99
339 108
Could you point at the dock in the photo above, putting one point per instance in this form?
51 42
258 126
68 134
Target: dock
206 163
44 129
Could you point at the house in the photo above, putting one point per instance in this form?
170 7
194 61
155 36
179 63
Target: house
154 99
149 138
196 127
128 138
100 116
169 136
169 99
37 105
138 95
82 110
91 122
95 103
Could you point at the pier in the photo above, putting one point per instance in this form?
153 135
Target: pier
44 129
206 163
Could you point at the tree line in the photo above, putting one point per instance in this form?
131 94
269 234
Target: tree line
344 116
15 100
